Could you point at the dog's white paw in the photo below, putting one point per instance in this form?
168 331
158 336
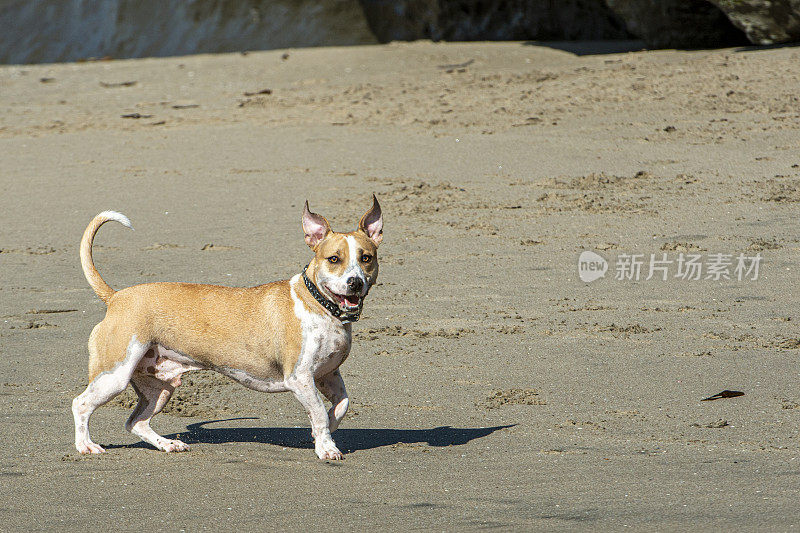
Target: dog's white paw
327 451
334 455
173 446
87 446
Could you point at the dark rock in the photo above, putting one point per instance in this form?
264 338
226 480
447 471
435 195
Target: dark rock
36 31
69 30
764 21
677 23
470 20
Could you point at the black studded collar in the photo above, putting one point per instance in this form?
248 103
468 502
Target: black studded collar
330 306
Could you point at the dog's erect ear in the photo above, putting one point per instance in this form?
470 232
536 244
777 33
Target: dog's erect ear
372 222
315 227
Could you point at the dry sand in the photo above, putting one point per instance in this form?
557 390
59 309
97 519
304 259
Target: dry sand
490 387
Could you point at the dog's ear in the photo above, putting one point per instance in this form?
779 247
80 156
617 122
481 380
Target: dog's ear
315 227
372 222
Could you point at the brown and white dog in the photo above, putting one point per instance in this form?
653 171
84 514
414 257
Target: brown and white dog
289 335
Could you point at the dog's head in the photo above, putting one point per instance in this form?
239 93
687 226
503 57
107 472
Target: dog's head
345 265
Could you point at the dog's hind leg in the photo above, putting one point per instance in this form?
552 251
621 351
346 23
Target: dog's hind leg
153 396
103 388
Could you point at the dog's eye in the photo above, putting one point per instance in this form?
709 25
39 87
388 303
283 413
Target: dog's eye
366 258
333 259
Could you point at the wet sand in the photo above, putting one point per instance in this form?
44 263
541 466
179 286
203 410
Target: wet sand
490 387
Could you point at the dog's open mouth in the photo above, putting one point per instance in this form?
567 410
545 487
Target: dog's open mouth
347 301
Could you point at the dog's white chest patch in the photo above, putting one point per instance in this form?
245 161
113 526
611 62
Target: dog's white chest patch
326 343
326 340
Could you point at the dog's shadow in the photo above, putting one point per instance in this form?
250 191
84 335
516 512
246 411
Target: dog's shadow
348 440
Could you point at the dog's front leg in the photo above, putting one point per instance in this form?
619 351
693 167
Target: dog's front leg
307 394
332 386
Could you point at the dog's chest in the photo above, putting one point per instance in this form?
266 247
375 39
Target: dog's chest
325 339
326 343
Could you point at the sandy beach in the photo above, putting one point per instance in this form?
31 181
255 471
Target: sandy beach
490 387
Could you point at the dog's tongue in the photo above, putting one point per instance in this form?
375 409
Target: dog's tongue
351 301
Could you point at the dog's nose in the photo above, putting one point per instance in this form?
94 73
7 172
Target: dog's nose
355 283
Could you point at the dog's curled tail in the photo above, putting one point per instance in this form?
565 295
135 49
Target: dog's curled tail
103 290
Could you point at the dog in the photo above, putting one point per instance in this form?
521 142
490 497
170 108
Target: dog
289 335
